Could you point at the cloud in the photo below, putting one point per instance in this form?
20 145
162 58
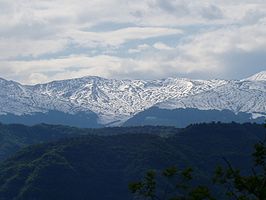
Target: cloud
222 49
211 12
12 48
162 46
77 66
118 37
46 40
140 48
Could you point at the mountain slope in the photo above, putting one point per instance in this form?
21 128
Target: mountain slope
183 117
258 77
14 137
236 96
116 101
95 167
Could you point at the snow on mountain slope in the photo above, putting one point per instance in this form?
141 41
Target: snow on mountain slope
19 99
115 101
237 96
118 100
258 77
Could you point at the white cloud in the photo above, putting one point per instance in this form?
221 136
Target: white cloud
10 48
212 38
139 48
210 48
162 46
31 72
118 37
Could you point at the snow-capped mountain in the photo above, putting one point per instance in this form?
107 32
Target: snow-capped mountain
258 77
115 101
236 96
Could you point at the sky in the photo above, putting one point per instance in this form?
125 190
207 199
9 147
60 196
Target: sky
47 40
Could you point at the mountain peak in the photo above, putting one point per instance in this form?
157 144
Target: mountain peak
4 80
115 101
261 76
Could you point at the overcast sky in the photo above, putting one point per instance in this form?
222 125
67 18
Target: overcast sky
46 40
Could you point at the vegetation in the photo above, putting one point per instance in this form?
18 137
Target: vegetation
237 185
15 136
241 186
90 166
176 186
181 117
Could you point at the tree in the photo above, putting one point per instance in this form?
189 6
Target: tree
177 186
177 183
245 187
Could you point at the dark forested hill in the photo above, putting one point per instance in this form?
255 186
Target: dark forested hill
100 167
181 117
15 136
81 119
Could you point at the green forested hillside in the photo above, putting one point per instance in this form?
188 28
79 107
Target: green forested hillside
97 167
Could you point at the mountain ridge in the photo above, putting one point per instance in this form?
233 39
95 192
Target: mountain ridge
115 101
261 76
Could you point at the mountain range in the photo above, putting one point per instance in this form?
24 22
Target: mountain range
95 102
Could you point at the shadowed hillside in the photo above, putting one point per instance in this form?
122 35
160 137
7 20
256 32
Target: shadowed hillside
100 167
